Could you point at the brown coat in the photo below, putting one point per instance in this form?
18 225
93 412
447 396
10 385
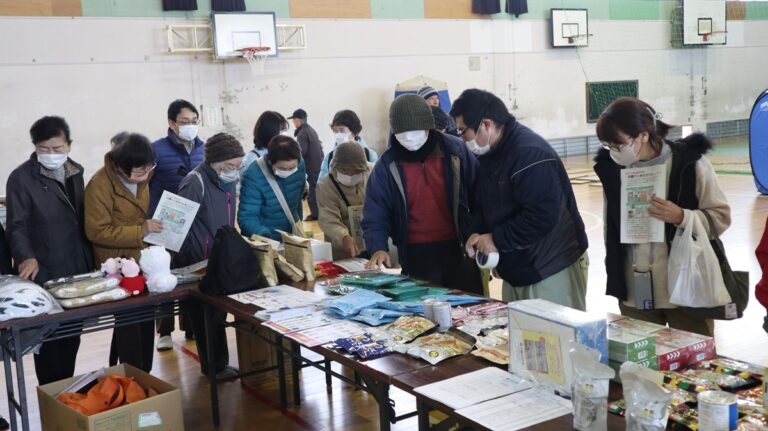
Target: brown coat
113 215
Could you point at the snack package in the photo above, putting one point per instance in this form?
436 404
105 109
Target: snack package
412 307
688 383
339 289
349 343
407 328
726 382
373 350
436 347
646 402
496 354
96 274
283 267
298 252
589 391
351 304
110 295
461 314
84 287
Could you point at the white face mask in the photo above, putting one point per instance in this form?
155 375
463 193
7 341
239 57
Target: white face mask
412 140
349 180
341 138
52 161
229 175
188 132
477 149
625 155
285 174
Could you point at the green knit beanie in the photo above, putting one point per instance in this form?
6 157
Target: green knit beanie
410 112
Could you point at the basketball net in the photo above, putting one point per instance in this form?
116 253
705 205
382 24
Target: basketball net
706 36
256 56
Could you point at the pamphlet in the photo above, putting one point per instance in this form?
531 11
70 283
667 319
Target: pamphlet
519 410
300 323
476 387
325 334
638 188
177 214
355 226
278 298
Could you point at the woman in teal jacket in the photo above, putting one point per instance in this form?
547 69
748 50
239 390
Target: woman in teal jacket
260 212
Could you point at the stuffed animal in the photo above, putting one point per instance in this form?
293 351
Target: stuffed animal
112 268
156 263
132 282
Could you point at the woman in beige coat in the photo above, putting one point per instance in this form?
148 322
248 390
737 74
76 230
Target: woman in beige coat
340 198
116 222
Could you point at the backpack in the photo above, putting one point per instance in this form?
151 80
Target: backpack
233 267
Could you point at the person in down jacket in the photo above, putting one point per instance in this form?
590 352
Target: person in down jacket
260 211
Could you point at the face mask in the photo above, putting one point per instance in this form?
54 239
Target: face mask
341 138
229 175
412 140
285 174
349 180
52 161
188 132
625 155
477 149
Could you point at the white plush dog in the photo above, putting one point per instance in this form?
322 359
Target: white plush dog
155 262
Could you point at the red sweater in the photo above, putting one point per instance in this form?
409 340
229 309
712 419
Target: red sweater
761 290
429 216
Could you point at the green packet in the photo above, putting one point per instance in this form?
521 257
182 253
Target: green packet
374 279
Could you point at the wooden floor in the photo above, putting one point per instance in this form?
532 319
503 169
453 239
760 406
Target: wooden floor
346 409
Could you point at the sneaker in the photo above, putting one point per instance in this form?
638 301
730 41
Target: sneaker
189 335
228 373
164 343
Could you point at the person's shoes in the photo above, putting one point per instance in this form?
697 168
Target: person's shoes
227 374
189 335
4 424
311 218
164 343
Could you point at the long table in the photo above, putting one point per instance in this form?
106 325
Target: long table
19 337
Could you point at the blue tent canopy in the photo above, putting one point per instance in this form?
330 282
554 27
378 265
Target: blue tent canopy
758 142
412 86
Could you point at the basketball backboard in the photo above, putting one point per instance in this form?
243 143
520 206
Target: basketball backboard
704 22
570 27
233 31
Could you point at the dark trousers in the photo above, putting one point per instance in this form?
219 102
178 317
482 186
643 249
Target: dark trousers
196 318
56 360
443 264
166 325
133 344
312 196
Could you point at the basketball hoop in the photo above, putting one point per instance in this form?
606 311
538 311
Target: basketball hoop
256 56
577 37
707 36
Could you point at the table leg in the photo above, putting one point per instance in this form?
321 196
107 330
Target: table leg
423 412
328 376
210 337
295 368
20 383
9 385
380 391
281 373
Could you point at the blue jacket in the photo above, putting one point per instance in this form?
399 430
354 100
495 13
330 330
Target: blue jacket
524 199
385 213
173 164
260 212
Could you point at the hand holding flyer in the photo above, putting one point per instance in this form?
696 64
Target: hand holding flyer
638 188
176 214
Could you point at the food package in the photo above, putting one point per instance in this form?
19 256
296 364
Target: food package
539 333
378 316
298 252
23 298
590 389
698 347
626 345
688 382
638 326
293 273
351 304
646 402
66 280
266 256
339 289
407 328
110 295
496 354
460 314
405 293
85 287
437 347
671 358
370 279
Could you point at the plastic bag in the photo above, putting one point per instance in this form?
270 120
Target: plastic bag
266 255
349 305
23 298
693 271
298 252
646 401
378 316
81 288
589 389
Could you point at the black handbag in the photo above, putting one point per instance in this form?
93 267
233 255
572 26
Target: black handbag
232 265
736 282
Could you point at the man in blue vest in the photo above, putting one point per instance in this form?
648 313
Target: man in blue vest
176 155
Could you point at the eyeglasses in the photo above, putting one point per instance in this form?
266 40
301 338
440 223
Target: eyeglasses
610 147
142 172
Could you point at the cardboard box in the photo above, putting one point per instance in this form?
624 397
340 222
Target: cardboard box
638 326
253 353
161 412
539 336
699 347
626 345
671 358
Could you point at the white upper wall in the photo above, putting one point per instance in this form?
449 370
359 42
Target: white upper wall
105 75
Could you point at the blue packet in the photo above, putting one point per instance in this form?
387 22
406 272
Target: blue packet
349 305
378 316
409 306
457 299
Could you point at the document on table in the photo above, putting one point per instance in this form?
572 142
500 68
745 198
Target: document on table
325 334
177 214
278 298
355 264
300 323
519 410
638 188
473 388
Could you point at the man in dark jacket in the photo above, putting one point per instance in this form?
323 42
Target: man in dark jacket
45 228
418 195
523 205
176 155
312 153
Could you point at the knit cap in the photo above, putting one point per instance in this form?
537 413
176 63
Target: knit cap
221 147
426 92
349 156
410 112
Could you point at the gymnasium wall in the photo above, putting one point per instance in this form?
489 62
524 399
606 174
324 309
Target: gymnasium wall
111 73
